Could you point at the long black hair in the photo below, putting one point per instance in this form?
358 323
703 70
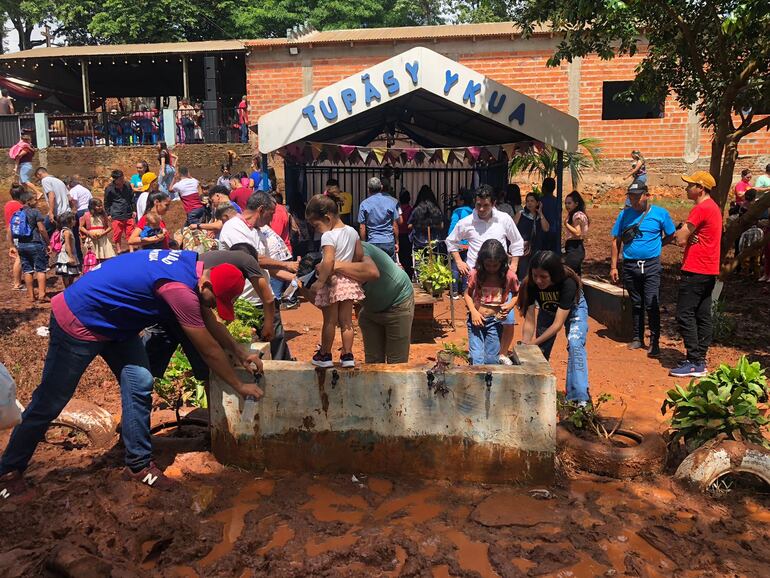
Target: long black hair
551 263
493 250
580 205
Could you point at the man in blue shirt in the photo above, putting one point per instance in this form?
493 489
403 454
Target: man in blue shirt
378 219
642 229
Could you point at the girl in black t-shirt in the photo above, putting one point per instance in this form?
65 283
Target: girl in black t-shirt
551 298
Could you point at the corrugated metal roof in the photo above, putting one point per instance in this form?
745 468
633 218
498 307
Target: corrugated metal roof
125 49
440 32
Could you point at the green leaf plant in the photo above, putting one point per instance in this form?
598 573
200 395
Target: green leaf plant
729 401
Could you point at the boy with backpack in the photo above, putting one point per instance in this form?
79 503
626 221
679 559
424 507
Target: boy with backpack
31 239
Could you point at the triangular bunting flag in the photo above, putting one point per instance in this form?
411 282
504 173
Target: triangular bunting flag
346 150
363 152
315 150
445 155
474 152
493 151
411 153
379 153
509 150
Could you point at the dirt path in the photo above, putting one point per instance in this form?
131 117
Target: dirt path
86 521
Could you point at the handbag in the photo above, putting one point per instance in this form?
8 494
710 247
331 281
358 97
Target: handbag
632 231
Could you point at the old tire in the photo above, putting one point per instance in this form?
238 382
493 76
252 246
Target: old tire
713 460
95 422
648 456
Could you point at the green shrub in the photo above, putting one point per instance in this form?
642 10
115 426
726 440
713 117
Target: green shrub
248 313
178 386
433 271
586 417
726 401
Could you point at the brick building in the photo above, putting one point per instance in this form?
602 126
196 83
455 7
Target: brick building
280 71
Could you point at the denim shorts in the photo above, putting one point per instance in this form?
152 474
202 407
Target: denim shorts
33 258
25 173
511 317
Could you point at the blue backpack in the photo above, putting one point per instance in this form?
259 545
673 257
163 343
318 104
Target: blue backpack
20 227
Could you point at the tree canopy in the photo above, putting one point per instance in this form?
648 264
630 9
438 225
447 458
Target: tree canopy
711 54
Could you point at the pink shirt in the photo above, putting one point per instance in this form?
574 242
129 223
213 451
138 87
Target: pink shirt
492 293
182 300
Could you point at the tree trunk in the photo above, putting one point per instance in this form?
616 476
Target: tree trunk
725 178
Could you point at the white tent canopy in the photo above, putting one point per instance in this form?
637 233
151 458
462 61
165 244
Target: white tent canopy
429 97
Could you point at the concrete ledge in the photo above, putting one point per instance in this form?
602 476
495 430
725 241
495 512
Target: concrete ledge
610 306
385 419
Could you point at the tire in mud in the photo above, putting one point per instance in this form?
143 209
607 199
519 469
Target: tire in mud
95 422
715 459
648 456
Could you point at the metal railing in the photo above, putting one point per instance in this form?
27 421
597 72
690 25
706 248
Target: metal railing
207 125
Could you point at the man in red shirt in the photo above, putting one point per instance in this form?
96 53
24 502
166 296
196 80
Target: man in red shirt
701 237
238 193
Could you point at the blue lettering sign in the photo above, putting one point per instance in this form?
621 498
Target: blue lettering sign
451 80
370 92
471 91
494 105
330 114
309 113
412 70
518 114
391 82
348 97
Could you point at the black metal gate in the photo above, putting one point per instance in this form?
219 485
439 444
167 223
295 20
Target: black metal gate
304 181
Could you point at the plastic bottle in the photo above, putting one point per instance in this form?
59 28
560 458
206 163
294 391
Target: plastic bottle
249 410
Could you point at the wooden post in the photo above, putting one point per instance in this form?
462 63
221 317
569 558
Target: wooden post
185 78
86 85
559 190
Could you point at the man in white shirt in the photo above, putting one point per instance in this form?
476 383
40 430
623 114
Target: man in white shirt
486 222
246 229
81 196
56 194
189 190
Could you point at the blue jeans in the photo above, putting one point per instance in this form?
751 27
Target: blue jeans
484 341
66 361
389 248
458 281
244 133
165 180
576 329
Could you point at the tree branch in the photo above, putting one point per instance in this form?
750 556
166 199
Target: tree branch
692 48
750 128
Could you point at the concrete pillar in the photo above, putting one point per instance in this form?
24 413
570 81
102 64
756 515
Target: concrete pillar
573 79
559 190
86 85
169 126
307 76
41 130
692 137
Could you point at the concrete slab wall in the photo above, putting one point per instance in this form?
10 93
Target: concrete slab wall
385 419
610 305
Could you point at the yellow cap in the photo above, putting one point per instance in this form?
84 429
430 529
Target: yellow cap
701 178
147 179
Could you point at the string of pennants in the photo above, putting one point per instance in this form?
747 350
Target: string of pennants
339 153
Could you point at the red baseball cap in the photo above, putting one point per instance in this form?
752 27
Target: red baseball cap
227 283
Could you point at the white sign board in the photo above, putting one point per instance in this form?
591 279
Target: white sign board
416 69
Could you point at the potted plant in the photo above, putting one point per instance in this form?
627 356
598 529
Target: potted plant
603 446
721 419
433 270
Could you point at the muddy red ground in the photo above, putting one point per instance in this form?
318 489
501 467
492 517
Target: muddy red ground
86 521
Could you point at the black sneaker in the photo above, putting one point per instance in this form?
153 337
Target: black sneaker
14 487
636 344
346 360
151 476
322 360
654 350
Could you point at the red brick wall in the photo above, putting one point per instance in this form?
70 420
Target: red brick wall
275 80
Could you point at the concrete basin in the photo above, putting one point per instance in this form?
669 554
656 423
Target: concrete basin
485 423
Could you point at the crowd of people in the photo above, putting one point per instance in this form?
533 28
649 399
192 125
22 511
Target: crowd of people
145 290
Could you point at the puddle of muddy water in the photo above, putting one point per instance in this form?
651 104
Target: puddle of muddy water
416 507
282 535
329 506
471 556
313 548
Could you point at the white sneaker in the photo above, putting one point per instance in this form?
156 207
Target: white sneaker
504 360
